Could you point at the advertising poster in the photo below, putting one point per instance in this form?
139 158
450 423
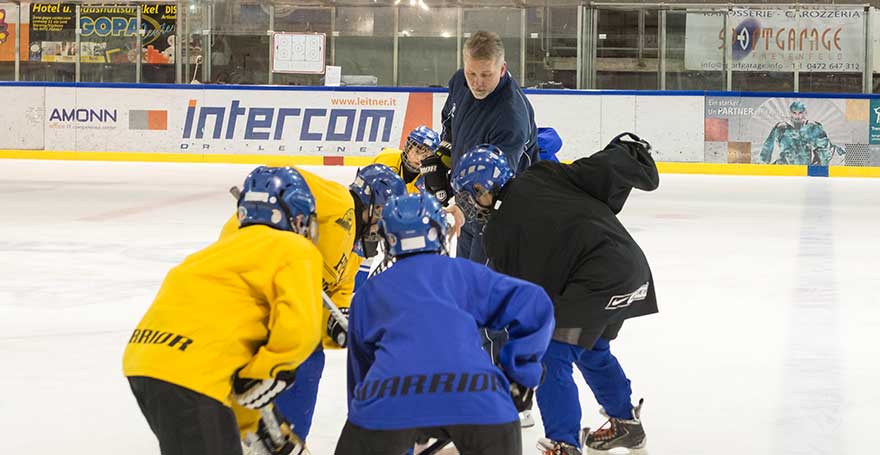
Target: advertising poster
231 121
802 131
52 32
108 33
814 40
160 33
8 21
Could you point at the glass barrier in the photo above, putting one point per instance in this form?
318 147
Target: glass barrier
240 44
159 42
551 47
427 46
51 45
506 22
108 49
559 44
8 32
364 44
694 50
304 20
830 47
627 54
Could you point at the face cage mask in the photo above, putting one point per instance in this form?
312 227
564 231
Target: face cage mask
369 241
422 151
310 229
472 209
307 229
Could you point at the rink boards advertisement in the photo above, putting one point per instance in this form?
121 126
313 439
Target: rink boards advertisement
203 121
796 131
329 123
227 121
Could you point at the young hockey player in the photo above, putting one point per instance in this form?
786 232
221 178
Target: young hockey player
415 364
421 143
347 219
555 225
232 322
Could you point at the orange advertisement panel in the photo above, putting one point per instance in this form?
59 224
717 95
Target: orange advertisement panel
8 21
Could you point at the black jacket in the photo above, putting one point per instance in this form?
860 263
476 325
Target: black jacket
505 119
556 226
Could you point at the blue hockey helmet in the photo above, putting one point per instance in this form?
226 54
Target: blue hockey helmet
482 165
413 223
278 197
375 183
424 136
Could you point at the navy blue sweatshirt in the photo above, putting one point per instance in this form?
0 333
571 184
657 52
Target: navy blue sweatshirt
505 119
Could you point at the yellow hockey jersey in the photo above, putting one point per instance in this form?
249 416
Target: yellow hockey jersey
334 207
393 158
249 301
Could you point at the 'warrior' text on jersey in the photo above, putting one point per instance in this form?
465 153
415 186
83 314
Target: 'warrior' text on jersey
250 301
415 357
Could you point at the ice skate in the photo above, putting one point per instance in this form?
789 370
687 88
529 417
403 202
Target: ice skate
626 433
551 447
526 420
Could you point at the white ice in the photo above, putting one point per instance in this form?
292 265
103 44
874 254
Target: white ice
766 343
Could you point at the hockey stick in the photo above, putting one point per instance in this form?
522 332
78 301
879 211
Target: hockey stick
435 447
275 435
334 310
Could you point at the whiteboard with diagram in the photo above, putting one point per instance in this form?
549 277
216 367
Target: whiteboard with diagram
298 52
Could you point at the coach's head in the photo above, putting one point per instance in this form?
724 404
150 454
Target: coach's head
484 63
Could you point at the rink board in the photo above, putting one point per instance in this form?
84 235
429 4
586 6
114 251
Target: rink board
691 132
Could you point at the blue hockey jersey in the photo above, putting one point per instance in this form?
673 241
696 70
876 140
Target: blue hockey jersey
415 358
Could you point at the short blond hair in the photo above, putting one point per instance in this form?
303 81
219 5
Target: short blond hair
484 46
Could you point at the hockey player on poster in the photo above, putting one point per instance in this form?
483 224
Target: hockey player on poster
347 219
415 365
555 225
799 141
215 336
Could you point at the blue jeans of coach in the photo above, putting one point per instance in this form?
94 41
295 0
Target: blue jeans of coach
297 404
470 243
558 396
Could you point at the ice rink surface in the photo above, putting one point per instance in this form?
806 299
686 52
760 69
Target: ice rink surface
767 342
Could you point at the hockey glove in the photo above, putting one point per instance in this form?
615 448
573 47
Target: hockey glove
256 393
522 396
335 331
436 178
274 436
444 151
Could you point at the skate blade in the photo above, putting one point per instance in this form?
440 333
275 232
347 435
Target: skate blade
617 451
641 450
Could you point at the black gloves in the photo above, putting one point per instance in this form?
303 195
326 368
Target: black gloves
256 393
435 172
522 396
335 330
